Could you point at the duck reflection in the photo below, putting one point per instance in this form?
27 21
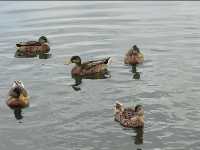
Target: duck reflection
138 138
78 79
18 113
136 75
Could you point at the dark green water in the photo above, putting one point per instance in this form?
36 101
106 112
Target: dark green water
60 118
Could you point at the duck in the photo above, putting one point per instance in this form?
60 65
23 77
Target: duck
88 68
134 56
17 96
32 48
129 117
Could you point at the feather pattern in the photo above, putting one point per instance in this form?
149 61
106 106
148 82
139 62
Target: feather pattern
128 117
91 67
133 57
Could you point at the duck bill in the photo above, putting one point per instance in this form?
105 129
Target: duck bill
67 62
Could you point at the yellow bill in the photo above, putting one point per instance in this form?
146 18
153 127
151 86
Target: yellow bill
67 61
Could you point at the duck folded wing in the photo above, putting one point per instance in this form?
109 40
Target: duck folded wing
30 43
24 92
11 93
99 61
94 66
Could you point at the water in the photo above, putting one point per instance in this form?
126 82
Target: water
60 118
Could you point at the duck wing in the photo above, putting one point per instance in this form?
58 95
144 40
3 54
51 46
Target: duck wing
29 43
96 62
90 64
11 93
130 52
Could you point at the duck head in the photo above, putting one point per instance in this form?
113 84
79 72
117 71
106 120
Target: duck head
139 110
17 87
135 49
74 59
43 40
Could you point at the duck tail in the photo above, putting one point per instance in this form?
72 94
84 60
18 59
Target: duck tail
108 61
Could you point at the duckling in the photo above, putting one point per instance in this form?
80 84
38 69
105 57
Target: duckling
32 48
17 96
129 117
88 68
134 56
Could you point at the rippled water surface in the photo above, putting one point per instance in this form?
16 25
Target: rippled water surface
60 118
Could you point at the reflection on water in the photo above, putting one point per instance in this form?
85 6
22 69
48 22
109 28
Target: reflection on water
63 119
41 56
18 113
45 56
78 79
136 75
138 138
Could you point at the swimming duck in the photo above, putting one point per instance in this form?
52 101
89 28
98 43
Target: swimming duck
134 56
88 68
129 117
17 96
32 48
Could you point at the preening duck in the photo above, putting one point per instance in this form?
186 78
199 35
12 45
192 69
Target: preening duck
88 68
17 96
134 56
129 117
32 48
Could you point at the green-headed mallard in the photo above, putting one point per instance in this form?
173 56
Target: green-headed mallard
18 97
88 68
129 117
32 48
134 56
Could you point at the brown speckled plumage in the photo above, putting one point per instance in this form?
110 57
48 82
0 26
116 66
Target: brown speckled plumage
90 67
32 48
129 117
134 56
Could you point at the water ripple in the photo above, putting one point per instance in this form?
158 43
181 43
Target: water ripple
60 117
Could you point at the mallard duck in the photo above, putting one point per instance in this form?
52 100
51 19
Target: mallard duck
32 48
88 68
17 96
129 117
134 56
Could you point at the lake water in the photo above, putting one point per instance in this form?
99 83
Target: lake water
61 118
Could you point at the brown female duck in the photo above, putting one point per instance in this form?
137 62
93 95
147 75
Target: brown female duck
88 68
134 56
129 117
32 48
17 96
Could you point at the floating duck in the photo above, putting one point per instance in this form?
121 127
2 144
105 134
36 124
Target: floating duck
129 117
134 56
33 48
17 96
88 68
